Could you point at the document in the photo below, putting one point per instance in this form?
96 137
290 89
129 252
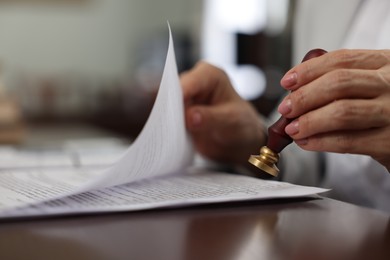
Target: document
155 171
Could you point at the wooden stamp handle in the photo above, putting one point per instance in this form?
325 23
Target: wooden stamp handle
277 137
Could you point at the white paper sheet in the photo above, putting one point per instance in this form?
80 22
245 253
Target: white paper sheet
163 146
176 190
152 172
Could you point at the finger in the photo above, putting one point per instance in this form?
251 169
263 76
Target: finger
203 83
206 119
350 59
222 132
226 123
338 84
353 142
339 116
209 128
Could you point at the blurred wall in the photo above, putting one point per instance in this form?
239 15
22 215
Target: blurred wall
83 59
94 37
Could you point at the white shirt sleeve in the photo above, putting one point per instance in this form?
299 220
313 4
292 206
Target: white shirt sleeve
357 179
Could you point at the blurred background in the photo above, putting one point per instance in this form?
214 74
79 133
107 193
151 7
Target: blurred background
100 61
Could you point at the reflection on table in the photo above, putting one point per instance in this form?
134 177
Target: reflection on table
279 229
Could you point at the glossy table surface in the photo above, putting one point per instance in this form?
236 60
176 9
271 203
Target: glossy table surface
279 229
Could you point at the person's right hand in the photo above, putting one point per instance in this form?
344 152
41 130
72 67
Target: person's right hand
340 102
224 127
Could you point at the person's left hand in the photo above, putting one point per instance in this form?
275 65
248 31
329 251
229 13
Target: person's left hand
224 127
341 102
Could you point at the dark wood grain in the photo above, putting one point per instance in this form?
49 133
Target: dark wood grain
279 229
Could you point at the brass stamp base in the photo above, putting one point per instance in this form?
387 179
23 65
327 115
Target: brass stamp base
266 161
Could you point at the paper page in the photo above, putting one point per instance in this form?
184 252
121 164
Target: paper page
163 147
19 188
176 190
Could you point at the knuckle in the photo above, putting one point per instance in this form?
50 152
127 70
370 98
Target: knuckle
298 99
204 66
306 125
386 54
219 75
201 65
383 56
344 112
344 58
338 83
340 77
336 142
380 114
384 77
377 110
306 69
345 143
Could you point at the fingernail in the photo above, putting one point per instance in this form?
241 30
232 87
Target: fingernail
292 128
289 80
196 119
285 107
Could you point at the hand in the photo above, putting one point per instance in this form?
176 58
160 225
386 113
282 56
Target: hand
341 102
224 127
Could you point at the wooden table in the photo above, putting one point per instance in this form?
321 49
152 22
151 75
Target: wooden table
280 229
261 230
